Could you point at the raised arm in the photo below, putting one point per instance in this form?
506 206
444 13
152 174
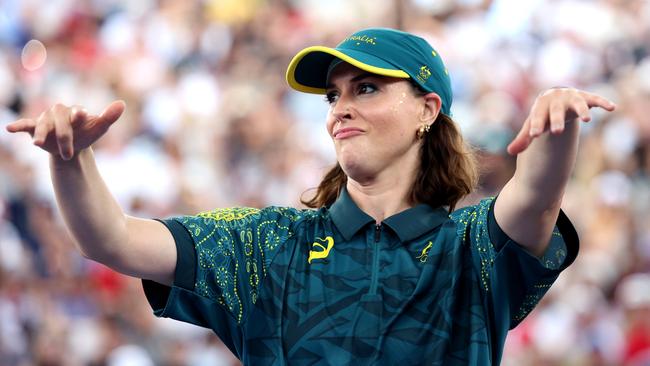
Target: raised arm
529 204
101 231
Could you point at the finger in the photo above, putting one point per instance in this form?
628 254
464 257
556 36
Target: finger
538 121
22 125
63 132
594 100
557 116
581 109
43 128
111 113
77 116
521 141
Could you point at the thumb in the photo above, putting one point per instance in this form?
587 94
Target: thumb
521 141
111 113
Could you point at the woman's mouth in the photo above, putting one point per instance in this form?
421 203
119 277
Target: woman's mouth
347 132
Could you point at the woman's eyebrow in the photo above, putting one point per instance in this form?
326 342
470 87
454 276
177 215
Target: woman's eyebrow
359 77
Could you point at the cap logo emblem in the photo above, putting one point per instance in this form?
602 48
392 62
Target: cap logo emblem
424 74
359 39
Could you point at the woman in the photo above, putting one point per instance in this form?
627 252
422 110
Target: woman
384 271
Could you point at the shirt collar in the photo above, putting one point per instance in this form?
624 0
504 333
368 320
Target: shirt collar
347 216
416 221
408 224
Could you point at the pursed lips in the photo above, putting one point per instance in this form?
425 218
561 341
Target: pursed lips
347 132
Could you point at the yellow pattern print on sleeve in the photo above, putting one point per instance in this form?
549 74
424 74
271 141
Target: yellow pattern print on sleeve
230 214
232 246
474 219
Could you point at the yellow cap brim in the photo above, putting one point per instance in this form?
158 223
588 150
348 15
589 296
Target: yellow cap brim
300 64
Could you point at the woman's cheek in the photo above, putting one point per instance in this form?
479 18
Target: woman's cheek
399 106
329 125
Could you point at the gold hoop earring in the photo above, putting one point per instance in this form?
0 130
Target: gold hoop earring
424 128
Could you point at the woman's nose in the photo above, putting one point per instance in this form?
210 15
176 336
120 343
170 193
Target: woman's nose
343 107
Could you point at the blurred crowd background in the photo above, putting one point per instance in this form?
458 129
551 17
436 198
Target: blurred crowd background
210 122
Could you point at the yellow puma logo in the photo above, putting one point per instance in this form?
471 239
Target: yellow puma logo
313 254
425 253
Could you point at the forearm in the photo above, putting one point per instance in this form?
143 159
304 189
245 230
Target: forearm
137 247
529 204
91 214
543 170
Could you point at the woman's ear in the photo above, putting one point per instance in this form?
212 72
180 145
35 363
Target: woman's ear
432 105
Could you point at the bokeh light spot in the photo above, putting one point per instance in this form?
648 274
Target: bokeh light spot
34 55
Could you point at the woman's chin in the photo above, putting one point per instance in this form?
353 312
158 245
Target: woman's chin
356 169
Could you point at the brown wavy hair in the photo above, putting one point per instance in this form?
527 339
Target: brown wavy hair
448 170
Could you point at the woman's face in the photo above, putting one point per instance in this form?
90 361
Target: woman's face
373 122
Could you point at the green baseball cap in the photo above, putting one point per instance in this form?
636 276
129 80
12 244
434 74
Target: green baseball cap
381 51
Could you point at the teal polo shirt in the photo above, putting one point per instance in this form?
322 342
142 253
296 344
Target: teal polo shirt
330 287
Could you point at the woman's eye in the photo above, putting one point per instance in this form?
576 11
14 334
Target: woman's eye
367 88
331 97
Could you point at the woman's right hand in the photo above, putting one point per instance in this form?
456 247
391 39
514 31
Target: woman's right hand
64 131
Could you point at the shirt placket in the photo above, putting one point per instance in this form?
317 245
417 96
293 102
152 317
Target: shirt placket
371 302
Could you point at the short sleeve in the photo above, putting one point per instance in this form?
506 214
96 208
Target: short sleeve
513 279
223 255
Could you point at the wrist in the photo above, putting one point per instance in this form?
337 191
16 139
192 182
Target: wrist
58 161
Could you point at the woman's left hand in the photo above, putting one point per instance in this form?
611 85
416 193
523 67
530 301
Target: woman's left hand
552 110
